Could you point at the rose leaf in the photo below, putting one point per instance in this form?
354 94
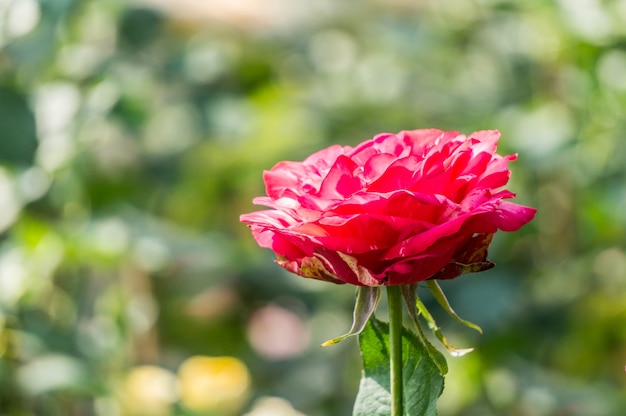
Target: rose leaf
422 379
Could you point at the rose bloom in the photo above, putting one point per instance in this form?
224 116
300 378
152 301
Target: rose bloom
397 209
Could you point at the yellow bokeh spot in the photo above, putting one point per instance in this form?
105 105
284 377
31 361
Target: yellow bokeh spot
149 390
219 384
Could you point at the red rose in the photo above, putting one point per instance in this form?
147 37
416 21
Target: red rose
396 209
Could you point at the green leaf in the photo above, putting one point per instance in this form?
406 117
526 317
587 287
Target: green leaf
422 380
443 301
366 301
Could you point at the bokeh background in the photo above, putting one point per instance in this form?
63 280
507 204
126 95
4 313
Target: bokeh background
134 133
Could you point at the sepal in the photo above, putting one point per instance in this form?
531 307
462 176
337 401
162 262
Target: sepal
409 292
443 301
366 301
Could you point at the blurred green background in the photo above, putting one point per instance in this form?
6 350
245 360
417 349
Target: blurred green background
134 133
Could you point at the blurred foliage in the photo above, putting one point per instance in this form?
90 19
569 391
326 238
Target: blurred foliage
133 134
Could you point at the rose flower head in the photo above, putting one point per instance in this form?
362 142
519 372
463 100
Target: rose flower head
394 210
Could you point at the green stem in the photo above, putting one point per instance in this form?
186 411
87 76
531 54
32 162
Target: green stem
394 299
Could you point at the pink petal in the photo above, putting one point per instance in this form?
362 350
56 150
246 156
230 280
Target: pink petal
376 165
421 242
414 269
511 217
487 141
340 181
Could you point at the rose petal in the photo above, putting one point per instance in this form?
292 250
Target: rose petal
340 181
511 217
